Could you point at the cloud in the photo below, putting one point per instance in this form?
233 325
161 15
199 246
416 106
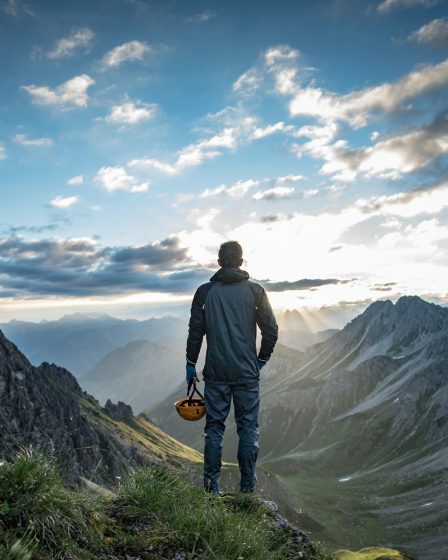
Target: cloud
193 155
63 202
117 178
262 132
235 128
383 287
79 39
156 255
131 113
287 179
241 188
308 193
76 181
387 159
134 50
434 33
15 8
81 267
2 152
276 193
358 107
33 143
14 230
73 92
388 5
427 200
202 17
237 190
248 83
281 64
303 284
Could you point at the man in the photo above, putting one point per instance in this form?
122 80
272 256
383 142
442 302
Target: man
227 310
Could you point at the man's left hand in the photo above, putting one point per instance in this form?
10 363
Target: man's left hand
191 374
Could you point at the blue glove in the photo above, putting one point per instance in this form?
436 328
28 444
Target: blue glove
190 372
261 363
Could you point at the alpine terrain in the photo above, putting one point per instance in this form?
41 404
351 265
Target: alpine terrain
357 427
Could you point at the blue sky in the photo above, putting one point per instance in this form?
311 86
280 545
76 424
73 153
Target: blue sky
137 135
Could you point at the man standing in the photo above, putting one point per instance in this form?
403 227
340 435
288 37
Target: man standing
227 310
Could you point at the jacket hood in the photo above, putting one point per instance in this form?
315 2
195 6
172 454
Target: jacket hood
230 275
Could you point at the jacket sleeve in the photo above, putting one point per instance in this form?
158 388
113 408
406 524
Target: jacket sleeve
196 327
268 325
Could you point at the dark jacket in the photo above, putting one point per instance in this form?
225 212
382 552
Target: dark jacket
227 310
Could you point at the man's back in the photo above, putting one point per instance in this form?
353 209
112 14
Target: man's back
227 310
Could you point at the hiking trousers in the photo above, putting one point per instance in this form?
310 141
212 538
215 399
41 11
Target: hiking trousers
246 401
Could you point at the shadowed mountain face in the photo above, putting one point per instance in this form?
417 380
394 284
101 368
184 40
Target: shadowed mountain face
140 374
357 427
44 407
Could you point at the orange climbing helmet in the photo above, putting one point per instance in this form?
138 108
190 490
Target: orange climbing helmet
191 408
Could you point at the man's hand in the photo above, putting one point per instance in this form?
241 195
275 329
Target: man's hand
191 374
261 363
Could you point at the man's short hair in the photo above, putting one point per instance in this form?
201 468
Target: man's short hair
230 253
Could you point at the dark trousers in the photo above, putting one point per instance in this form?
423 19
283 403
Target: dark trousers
246 402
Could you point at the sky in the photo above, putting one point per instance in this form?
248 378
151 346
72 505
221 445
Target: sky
138 135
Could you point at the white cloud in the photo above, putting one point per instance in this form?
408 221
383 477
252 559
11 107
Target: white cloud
72 92
388 5
193 155
76 181
237 190
238 128
248 83
308 193
131 113
280 53
433 33
407 254
63 202
117 178
275 193
407 204
32 142
78 39
262 132
2 152
281 63
388 158
134 50
358 107
151 163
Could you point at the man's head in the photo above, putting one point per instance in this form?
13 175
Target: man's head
230 254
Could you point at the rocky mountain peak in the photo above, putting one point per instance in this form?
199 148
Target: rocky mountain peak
119 411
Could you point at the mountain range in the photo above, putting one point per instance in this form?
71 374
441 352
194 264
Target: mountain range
80 341
137 362
357 428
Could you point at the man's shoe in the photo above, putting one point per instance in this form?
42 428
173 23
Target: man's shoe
247 490
212 488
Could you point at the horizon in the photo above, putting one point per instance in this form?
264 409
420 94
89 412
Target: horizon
138 135
349 311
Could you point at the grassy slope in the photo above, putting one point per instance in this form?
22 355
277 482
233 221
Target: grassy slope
155 514
143 434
